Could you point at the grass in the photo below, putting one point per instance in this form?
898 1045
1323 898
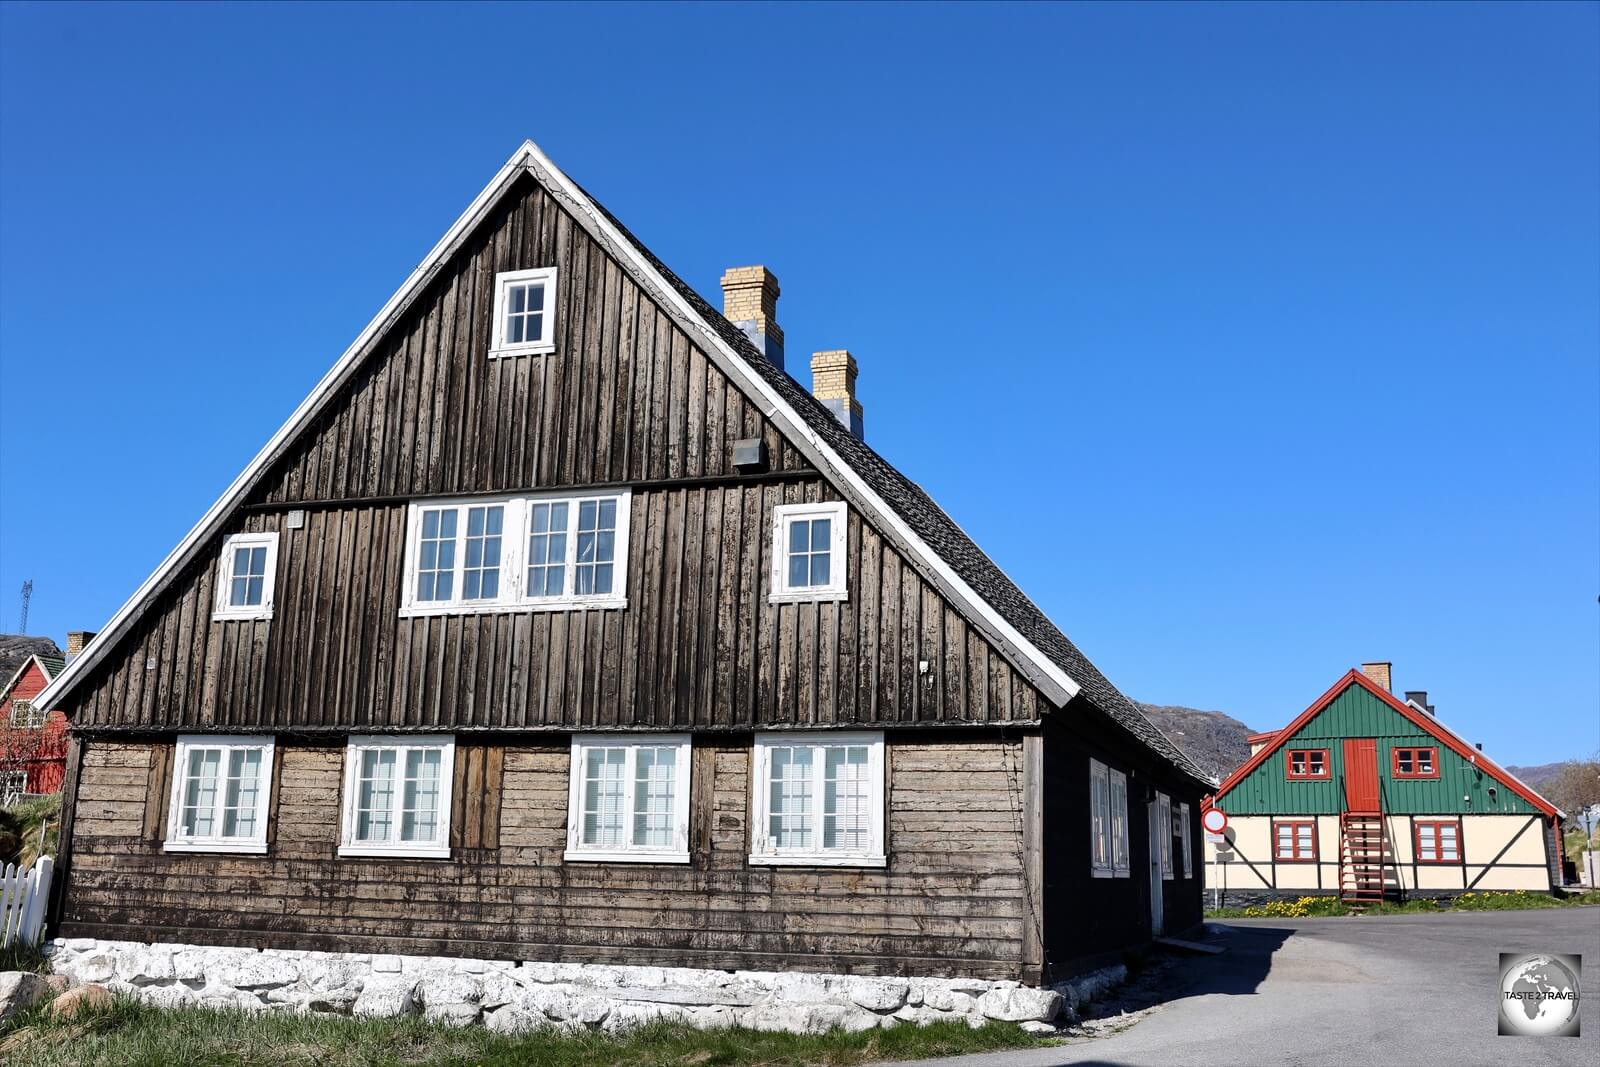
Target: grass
20 830
130 1032
1317 907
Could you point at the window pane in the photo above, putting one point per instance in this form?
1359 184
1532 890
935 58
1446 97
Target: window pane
819 569
419 819
242 794
481 578
535 328
799 535
375 796
789 804
603 802
200 792
258 561
519 298
799 571
252 592
820 533
655 780
846 798
237 596
535 297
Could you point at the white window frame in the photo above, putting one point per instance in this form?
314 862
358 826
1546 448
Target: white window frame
515 529
439 848
678 851
256 843
1183 837
221 607
1164 831
13 786
501 348
31 717
1106 788
838 577
765 852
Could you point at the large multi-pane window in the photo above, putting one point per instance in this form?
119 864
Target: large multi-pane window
397 796
1294 840
517 553
818 799
1108 821
524 312
220 789
1416 762
808 552
629 799
245 576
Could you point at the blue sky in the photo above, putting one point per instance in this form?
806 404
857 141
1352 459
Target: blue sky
1252 341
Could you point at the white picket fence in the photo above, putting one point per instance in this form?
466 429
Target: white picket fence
22 902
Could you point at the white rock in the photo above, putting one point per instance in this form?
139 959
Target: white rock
189 964
80 944
386 964
1019 1003
807 1018
19 991
946 999
876 994
176 995
221 964
713 1018
1034 1026
450 998
630 1016
265 971
499 987
96 967
920 1015
800 988
384 996
515 1019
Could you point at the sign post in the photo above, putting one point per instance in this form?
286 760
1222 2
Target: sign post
1215 823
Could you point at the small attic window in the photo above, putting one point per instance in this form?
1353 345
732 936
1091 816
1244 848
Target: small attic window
246 574
524 313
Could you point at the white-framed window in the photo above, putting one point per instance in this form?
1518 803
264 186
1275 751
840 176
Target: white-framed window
546 552
817 799
1164 832
1108 821
25 716
221 784
808 552
245 576
1185 847
524 313
13 786
397 796
629 798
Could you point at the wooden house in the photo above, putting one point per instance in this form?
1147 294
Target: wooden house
33 741
560 623
1368 796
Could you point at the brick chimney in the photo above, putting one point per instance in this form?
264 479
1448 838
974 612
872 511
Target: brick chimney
1379 672
750 302
833 381
76 640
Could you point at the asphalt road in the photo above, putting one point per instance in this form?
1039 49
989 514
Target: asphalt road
1383 991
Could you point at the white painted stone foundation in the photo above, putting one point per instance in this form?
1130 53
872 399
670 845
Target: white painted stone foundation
514 997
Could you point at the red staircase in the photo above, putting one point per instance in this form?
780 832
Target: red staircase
1364 857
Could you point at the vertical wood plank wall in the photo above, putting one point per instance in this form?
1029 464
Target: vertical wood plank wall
626 398
951 901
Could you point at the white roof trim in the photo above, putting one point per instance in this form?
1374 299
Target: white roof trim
1471 747
1032 661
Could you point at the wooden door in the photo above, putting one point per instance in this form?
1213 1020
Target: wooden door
1361 774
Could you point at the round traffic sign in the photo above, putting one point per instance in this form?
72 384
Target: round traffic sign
1215 820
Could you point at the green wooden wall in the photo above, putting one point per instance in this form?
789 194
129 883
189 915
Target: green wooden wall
1357 713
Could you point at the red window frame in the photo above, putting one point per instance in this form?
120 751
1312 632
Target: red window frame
1416 762
1308 775
1295 855
1438 849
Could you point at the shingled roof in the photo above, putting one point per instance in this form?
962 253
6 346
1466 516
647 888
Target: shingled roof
931 523
16 648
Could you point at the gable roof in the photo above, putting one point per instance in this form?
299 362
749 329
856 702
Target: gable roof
1429 724
947 556
49 667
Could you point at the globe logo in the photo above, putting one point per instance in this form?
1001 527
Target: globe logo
1538 995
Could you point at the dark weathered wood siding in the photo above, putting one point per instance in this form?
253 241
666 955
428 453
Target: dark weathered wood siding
626 399
951 901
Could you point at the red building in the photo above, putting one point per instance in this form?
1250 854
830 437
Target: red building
33 740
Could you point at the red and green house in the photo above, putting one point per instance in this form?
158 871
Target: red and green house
1366 795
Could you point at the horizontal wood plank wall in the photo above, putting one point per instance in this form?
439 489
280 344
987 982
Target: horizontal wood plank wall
697 646
950 902
626 398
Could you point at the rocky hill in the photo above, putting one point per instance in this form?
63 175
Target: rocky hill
1213 739
1538 776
